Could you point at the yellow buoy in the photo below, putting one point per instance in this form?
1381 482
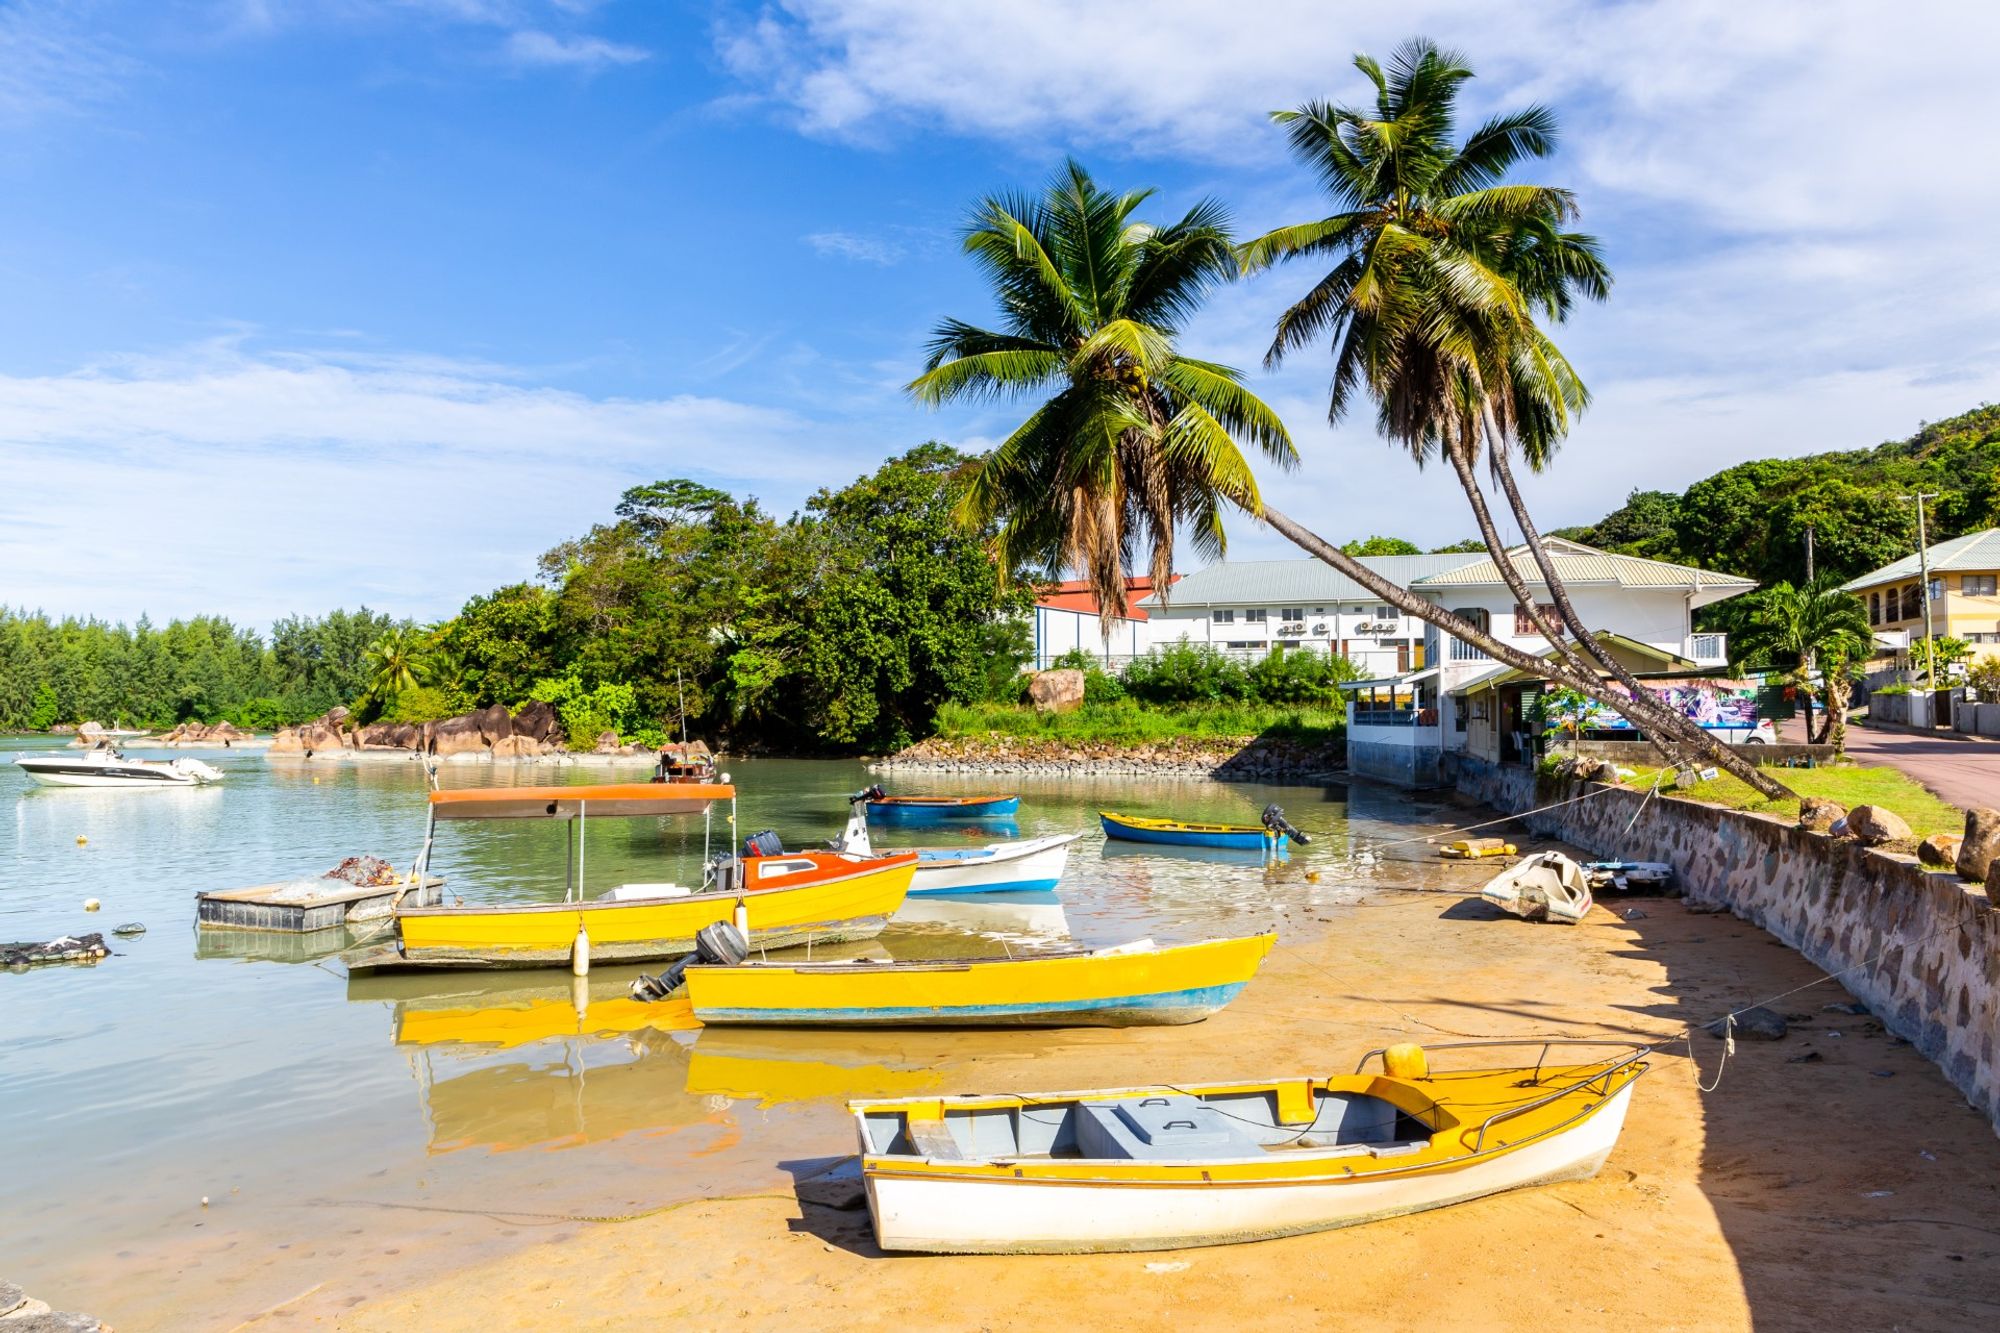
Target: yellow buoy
91 904
81 840
1406 1060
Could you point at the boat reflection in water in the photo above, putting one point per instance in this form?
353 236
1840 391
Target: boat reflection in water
1250 857
772 1067
275 946
551 1065
1005 915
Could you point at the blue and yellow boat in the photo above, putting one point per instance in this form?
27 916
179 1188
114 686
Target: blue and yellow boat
1132 985
1182 833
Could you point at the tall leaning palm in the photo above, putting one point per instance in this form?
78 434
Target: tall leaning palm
1440 271
1121 448
1130 441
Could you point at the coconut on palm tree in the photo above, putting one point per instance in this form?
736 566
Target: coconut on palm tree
1440 269
1818 628
1129 439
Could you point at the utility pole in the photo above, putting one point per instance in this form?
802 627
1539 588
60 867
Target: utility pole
1809 553
1924 573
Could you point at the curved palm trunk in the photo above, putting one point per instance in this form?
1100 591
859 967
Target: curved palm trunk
1665 726
1588 684
1670 721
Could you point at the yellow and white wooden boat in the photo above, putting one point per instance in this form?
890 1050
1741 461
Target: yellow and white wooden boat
1127 986
788 899
1170 1167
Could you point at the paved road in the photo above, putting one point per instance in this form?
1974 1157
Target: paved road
1961 770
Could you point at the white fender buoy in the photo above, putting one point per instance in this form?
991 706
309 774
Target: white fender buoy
741 919
579 953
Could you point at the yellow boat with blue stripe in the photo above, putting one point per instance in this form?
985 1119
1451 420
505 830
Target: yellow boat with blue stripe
1269 835
1132 985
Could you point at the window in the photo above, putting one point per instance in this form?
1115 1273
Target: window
1874 608
1937 589
1913 600
1385 613
1225 617
1319 610
1256 617
1477 616
1893 605
1524 624
1292 613
1979 585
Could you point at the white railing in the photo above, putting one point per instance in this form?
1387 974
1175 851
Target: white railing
1462 651
1708 649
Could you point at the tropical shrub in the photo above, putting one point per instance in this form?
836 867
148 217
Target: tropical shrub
588 713
1187 673
1300 676
419 703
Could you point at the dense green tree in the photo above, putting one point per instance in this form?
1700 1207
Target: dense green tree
1469 546
1382 546
497 646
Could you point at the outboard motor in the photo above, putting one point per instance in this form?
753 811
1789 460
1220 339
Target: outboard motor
766 843
722 873
1274 819
854 838
717 945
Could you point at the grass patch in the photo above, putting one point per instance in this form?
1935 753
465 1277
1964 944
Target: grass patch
1851 785
1124 722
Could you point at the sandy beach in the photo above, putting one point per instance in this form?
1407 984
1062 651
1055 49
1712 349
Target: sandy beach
1832 1179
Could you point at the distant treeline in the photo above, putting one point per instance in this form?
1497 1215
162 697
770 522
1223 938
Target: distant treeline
845 626
206 669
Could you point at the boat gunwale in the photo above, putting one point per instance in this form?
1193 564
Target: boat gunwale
887 862
870 966
1177 825
999 1170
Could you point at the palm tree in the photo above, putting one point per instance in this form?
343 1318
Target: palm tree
1817 623
394 662
1439 271
1132 440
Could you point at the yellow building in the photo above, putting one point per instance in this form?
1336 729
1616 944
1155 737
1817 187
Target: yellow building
1963 596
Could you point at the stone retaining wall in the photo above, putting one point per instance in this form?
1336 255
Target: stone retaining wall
1250 760
1937 979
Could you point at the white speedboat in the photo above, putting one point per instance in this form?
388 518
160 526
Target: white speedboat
1029 865
106 767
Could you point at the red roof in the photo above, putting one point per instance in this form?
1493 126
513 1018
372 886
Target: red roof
1075 595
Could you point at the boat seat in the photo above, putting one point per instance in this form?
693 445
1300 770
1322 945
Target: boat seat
931 1139
1163 1127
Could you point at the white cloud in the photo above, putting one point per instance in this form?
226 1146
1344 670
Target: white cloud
531 47
49 63
848 245
258 483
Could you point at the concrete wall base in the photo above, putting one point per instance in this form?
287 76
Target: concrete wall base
1930 942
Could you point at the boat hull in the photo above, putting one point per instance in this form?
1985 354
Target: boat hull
852 906
1179 835
1149 987
1029 867
916 810
102 775
1027 1216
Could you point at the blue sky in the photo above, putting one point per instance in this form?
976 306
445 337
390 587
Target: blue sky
316 303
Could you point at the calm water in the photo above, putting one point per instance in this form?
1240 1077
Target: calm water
249 1069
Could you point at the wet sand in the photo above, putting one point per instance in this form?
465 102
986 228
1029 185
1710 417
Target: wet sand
1856 1190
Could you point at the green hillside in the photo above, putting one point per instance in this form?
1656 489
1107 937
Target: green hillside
1751 519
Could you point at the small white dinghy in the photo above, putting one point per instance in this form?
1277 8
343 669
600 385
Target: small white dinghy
106 767
1547 886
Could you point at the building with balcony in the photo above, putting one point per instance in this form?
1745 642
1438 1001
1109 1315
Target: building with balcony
1455 697
1962 596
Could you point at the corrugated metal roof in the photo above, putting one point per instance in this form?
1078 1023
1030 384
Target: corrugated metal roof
1975 550
1583 565
1290 582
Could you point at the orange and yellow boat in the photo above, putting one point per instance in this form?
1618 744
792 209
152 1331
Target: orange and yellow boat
787 899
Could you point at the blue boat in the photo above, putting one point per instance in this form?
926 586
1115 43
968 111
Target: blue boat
1181 833
925 809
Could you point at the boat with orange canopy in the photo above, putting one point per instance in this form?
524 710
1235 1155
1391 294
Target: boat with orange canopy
782 898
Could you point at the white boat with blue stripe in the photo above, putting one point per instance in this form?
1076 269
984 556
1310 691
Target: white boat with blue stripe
1026 865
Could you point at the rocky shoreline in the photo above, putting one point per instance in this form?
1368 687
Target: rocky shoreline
1221 759
533 735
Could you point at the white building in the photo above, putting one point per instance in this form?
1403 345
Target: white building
1456 698
1249 607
